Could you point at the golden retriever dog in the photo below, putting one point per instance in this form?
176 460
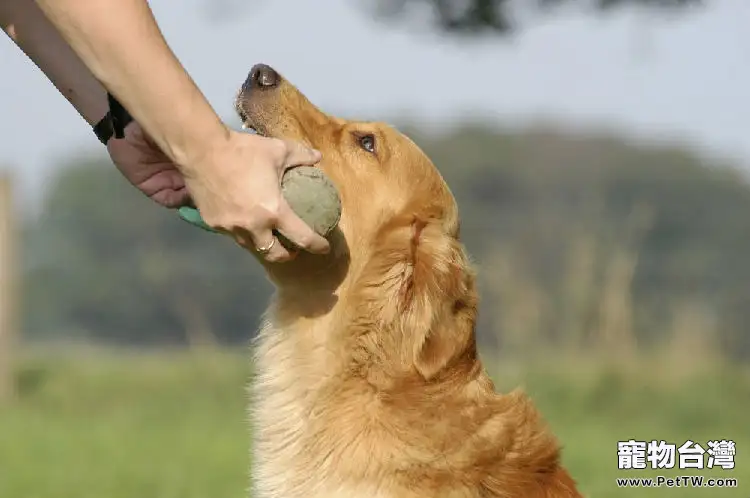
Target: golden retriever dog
367 382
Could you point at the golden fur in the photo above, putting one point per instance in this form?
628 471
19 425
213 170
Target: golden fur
368 383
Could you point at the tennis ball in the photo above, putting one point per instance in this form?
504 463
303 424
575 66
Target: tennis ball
310 194
313 197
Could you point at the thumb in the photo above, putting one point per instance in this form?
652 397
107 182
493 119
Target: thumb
299 154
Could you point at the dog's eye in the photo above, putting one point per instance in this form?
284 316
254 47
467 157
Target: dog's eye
367 142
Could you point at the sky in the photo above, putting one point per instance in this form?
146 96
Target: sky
650 77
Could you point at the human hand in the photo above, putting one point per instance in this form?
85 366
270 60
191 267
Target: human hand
145 166
236 186
237 190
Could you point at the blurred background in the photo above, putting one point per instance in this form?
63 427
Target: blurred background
599 154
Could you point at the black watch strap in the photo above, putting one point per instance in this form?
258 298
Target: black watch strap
114 122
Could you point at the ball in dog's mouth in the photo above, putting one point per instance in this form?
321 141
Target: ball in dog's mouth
313 197
310 194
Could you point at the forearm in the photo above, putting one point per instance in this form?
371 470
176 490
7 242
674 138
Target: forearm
121 44
27 26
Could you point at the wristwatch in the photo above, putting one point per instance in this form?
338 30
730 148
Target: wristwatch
114 122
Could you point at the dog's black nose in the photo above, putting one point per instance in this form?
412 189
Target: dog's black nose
263 77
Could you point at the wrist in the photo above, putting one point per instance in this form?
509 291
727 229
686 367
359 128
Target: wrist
197 148
89 100
114 122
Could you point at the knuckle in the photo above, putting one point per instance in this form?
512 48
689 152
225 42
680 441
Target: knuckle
271 216
243 242
259 217
305 241
270 212
278 148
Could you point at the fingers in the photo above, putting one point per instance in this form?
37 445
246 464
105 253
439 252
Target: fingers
291 227
299 233
288 223
285 220
267 220
299 154
264 243
172 198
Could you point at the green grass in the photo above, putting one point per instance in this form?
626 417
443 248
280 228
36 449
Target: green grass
174 425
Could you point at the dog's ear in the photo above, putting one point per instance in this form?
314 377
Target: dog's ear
438 299
418 285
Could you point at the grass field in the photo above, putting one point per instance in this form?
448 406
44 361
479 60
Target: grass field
173 425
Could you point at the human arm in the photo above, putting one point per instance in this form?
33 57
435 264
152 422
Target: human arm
140 161
32 32
233 178
121 44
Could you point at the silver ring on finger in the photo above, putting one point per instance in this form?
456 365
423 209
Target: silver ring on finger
267 248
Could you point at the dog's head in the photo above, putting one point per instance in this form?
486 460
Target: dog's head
397 245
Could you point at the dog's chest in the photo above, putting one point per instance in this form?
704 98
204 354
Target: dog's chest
292 456
310 443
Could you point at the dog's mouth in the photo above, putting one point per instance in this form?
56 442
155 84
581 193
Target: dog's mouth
248 126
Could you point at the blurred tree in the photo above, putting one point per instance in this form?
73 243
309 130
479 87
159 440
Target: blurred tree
531 199
548 217
107 264
8 288
467 17
471 17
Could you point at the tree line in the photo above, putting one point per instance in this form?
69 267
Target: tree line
581 241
